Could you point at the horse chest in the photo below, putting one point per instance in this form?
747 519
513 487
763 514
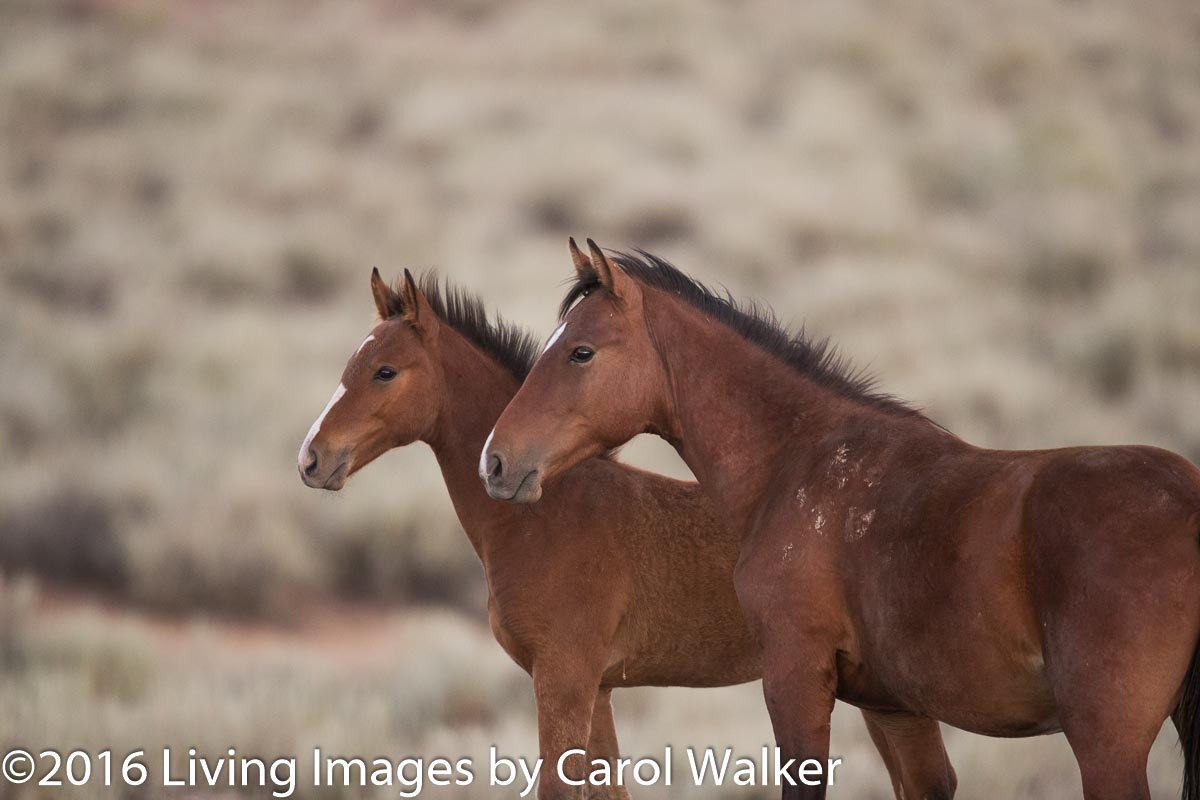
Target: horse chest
505 637
521 619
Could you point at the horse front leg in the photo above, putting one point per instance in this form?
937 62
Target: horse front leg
912 749
799 688
603 745
566 696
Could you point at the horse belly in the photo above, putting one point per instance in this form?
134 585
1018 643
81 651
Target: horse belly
712 649
1009 703
960 643
984 686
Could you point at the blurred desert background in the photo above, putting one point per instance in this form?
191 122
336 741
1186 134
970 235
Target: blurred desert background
995 206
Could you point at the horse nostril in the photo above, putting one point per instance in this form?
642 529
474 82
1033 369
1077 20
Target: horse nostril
496 467
310 468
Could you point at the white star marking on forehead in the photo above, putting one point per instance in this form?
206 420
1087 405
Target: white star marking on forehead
554 337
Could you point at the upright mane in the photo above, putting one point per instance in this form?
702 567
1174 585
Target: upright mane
512 347
816 359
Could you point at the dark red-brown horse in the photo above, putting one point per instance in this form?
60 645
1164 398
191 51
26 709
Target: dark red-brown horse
883 560
618 578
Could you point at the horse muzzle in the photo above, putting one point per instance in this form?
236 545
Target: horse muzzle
508 481
323 470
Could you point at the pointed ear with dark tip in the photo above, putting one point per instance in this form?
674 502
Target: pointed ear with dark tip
611 276
384 296
583 266
416 305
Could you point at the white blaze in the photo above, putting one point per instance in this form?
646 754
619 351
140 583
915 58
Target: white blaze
554 337
483 454
364 343
316 426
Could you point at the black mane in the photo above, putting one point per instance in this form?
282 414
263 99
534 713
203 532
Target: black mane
512 347
817 359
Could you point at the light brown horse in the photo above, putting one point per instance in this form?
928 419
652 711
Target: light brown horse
885 561
618 578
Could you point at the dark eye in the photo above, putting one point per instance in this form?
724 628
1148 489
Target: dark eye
582 355
385 374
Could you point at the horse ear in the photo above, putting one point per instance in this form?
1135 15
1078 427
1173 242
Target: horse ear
583 266
384 296
611 277
416 304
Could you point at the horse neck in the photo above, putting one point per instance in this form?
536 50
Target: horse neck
477 389
740 416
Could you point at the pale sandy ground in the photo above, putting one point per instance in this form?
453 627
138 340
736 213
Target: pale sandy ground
992 204
397 685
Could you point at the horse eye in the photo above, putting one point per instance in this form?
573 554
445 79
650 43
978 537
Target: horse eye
385 374
582 355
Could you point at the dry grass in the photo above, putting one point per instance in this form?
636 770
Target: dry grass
993 204
419 684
